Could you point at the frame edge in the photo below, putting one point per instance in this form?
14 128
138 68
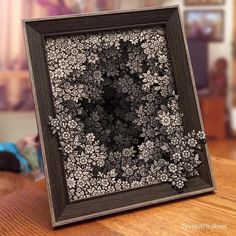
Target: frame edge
196 94
31 75
125 209
56 220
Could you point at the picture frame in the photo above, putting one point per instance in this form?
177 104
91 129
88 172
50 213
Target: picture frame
204 25
111 188
204 2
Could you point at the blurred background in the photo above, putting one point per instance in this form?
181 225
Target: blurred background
211 35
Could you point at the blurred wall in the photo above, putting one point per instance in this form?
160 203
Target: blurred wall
11 40
220 49
12 47
16 126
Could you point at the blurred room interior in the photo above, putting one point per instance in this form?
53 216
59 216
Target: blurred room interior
211 36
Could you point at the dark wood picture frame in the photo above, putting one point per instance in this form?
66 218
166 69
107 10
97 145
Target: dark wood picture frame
63 211
203 3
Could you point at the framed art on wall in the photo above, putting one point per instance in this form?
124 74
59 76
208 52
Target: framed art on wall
203 2
205 25
117 112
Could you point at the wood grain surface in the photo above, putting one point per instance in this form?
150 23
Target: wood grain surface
10 182
26 212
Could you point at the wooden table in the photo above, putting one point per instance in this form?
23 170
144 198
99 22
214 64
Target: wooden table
10 182
26 212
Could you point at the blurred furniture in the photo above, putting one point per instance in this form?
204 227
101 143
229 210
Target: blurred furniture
14 74
199 58
13 83
3 96
10 182
234 77
214 116
225 148
218 78
26 212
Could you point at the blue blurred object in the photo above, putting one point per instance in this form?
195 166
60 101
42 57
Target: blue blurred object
40 160
12 148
